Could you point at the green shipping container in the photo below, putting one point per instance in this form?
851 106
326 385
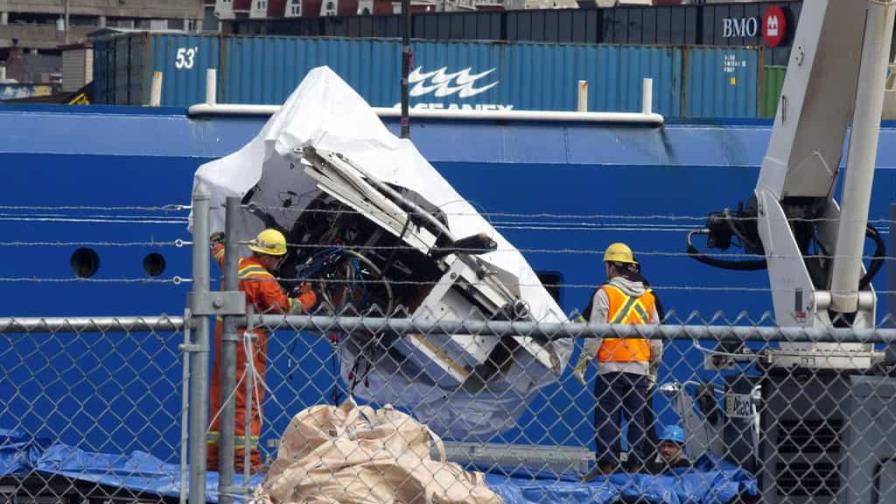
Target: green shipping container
771 89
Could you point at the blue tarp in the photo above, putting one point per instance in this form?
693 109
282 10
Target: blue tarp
710 482
140 472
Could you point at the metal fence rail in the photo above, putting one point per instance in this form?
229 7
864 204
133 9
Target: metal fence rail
575 330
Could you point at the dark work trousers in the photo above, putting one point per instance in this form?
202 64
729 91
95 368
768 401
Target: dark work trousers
620 395
652 444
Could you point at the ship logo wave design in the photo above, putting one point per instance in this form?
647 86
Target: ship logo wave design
442 83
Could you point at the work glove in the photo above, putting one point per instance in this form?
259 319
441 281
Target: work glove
306 296
589 350
653 370
656 358
581 367
217 237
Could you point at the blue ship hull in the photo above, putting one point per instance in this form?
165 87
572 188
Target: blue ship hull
525 176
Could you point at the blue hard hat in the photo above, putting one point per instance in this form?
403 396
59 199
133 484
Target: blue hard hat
673 433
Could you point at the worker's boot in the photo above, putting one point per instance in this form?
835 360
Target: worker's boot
602 469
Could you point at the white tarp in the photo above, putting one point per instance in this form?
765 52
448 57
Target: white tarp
324 112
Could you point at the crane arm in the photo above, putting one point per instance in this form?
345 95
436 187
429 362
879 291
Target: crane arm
813 246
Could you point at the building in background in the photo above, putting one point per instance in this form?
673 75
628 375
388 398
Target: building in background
228 10
619 3
539 4
278 9
32 31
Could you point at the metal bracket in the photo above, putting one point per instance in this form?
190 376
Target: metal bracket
236 490
217 303
721 361
188 348
827 358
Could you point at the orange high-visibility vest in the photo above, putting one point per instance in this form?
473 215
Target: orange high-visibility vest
625 309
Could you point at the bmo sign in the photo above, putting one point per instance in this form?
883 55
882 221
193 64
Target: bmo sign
772 25
740 27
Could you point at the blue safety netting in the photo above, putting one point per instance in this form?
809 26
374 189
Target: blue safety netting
709 482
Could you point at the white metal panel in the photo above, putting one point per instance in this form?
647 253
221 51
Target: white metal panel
75 69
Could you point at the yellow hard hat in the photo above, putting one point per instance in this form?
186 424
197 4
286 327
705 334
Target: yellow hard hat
270 242
619 253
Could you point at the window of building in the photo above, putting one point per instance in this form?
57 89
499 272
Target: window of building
31 18
84 20
295 7
121 23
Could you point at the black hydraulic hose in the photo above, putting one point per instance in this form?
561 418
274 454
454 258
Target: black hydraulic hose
748 243
877 260
744 265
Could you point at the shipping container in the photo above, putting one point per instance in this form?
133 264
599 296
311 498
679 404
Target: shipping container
687 82
656 25
772 83
124 64
485 76
735 24
721 82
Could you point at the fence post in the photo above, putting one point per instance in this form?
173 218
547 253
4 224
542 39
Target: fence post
199 361
229 339
187 350
250 385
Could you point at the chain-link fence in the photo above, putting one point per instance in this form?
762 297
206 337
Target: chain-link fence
92 407
726 406
97 410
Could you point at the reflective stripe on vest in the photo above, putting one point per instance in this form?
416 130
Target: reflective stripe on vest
625 309
253 270
214 437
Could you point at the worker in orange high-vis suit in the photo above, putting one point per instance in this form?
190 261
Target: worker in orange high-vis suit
624 365
265 295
